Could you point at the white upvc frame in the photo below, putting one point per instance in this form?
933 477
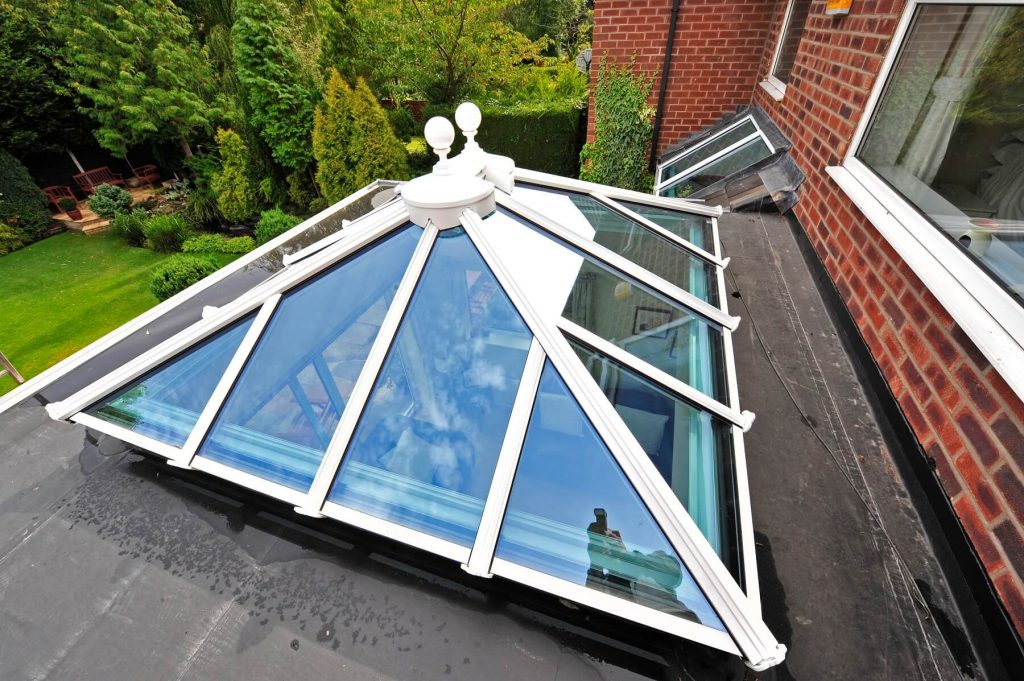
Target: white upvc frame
772 84
989 316
62 368
662 184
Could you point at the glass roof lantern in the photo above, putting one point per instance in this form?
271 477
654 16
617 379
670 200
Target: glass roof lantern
487 339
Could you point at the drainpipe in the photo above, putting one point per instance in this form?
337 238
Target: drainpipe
663 88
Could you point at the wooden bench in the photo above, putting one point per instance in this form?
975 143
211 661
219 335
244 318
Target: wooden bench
57 192
91 179
147 173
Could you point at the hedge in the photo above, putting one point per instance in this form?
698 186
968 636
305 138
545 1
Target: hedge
545 137
178 273
22 205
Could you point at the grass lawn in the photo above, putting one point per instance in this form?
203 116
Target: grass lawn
61 293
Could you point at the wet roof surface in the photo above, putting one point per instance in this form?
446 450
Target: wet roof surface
111 564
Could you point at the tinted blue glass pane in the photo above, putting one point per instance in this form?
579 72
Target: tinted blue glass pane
575 516
165 404
694 228
279 417
424 451
690 448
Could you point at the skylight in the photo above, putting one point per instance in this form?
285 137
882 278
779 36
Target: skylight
446 367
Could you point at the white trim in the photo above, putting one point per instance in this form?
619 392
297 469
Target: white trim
226 382
771 78
406 535
40 381
331 462
479 561
618 262
571 184
620 607
775 88
124 434
759 647
247 480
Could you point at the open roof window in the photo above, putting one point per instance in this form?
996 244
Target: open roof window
442 368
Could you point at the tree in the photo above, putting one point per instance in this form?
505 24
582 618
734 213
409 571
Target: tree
234 184
374 150
280 96
141 69
332 135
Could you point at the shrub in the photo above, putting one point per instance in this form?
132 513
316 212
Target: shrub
166 233
22 203
623 129
421 159
318 204
374 152
215 243
272 223
234 185
300 189
67 204
178 273
332 133
238 245
200 199
131 227
108 200
11 238
402 122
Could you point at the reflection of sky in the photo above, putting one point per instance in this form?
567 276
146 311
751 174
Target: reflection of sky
439 410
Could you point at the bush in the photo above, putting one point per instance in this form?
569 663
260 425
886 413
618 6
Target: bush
421 158
22 203
11 238
234 185
108 200
318 204
238 245
166 233
300 189
215 243
131 227
178 273
402 122
200 199
272 223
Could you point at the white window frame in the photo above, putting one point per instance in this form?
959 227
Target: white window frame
771 84
989 316
661 184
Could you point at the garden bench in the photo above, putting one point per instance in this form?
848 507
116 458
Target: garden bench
147 173
57 192
91 179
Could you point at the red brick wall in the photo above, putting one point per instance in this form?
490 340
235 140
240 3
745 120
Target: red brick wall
715 59
965 416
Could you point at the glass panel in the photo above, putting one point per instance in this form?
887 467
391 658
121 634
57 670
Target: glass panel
694 228
948 132
165 404
690 448
635 242
424 451
712 146
280 415
791 39
574 515
746 155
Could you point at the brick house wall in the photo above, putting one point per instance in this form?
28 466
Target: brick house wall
963 413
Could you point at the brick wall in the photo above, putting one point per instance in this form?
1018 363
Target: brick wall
965 416
715 58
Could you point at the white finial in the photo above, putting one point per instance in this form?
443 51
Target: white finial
440 134
468 118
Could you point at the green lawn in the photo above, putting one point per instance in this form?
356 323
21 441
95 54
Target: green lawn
60 294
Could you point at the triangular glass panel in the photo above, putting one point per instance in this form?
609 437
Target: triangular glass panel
574 515
694 228
279 417
691 448
424 451
165 403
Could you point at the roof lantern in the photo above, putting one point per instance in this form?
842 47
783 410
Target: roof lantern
478 342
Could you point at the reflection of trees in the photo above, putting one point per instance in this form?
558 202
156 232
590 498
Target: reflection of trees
123 409
997 97
650 579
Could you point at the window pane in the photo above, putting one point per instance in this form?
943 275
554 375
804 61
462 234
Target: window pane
631 240
424 452
948 133
690 448
694 228
736 160
165 404
280 415
791 39
714 145
574 515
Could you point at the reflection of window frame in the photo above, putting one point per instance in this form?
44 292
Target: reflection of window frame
988 314
774 85
661 184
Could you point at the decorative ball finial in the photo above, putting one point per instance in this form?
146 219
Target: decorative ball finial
440 134
468 118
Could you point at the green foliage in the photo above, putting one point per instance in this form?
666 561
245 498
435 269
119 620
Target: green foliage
200 199
623 123
178 273
567 23
340 34
374 151
67 204
421 160
166 233
108 200
318 204
215 243
139 66
300 189
332 134
272 223
131 227
11 238
280 97
234 184
402 122
22 203
998 87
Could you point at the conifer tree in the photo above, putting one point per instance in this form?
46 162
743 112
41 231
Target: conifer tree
332 136
234 184
375 151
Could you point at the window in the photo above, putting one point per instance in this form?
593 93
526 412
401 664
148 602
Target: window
786 48
938 166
